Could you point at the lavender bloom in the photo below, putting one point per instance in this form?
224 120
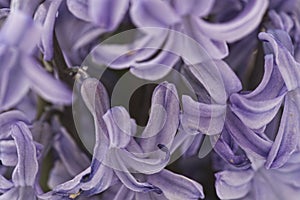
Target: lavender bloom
20 71
77 44
288 131
57 21
183 17
213 47
217 117
189 15
260 183
24 174
279 84
117 156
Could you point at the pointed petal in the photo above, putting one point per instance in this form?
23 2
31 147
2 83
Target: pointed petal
13 84
48 28
271 85
289 68
164 118
287 137
25 172
96 98
232 83
176 186
250 141
45 85
19 30
255 114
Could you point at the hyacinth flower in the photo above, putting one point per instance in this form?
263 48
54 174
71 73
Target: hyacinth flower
280 84
77 44
288 20
142 56
19 70
19 150
57 18
230 137
120 158
258 182
285 16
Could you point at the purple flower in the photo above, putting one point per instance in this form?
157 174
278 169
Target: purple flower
279 84
214 117
19 70
259 182
118 157
214 46
19 147
185 18
57 20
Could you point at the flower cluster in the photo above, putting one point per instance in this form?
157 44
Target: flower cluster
215 111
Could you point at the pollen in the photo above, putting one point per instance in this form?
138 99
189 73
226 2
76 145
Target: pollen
75 195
